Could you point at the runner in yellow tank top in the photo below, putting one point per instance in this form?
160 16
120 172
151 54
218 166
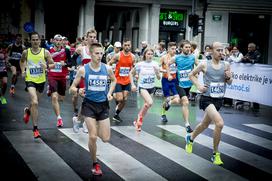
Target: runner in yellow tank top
33 64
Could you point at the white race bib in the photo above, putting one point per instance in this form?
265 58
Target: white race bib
97 82
58 68
184 75
173 68
217 89
124 71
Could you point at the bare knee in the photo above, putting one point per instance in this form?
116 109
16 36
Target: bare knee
93 138
105 139
149 104
219 123
34 103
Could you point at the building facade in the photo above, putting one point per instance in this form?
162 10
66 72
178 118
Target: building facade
228 21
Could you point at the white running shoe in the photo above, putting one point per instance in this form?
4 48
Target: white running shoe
76 124
85 129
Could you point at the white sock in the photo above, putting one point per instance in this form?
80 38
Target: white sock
59 117
187 124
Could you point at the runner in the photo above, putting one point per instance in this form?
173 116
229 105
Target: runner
95 106
169 82
3 74
124 62
216 74
185 63
34 62
15 52
146 72
81 57
57 76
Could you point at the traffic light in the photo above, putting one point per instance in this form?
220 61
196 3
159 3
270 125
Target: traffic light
196 23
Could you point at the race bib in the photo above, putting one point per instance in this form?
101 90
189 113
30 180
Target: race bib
2 66
184 75
16 56
35 71
217 89
173 68
124 71
58 68
148 81
97 82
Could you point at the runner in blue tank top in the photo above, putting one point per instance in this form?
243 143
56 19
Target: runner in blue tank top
216 74
185 63
95 106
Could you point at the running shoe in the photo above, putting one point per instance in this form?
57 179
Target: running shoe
164 118
76 124
12 91
166 105
59 123
189 129
138 127
26 115
216 159
36 134
117 118
189 144
96 170
84 126
3 100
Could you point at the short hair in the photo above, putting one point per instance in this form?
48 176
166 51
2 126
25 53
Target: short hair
18 35
170 44
95 45
91 31
193 44
126 40
253 45
34 33
184 42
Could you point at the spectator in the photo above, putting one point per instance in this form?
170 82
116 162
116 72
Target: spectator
144 45
235 55
253 55
160 51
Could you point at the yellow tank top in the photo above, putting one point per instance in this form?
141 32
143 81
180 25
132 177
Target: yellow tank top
34 72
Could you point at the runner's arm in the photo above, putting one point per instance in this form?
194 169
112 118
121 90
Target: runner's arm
73 89
23 61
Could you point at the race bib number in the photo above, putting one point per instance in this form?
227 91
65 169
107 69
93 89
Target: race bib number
217 89
97 82
148 80
173 68
58 68
2 66
35 71
16 56
184 75
124 71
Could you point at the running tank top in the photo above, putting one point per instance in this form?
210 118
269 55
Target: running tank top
147 74
123 67
185 64
96 83
85 57
34 72
59 71
172 68
16 52
3 67
214 79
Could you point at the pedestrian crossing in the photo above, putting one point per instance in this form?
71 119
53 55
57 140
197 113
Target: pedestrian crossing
129 167
262 127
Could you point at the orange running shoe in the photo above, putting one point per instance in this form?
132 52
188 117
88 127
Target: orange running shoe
59 123
26 115
36 134
96 170
12 91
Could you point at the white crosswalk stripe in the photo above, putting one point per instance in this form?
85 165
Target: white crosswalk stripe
39 157
262 127
257 140
121 163
232 151
124 164
192 162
